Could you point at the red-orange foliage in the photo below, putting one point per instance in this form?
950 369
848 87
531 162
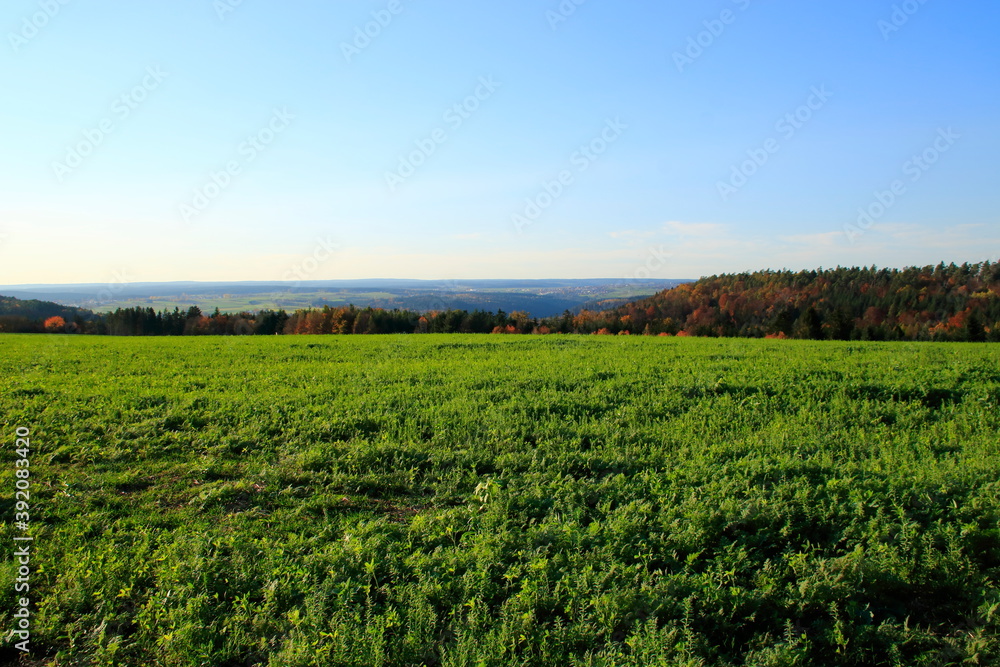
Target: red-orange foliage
54 324
580 321
957 321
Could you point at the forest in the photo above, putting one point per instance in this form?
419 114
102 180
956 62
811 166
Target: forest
29 316
941 303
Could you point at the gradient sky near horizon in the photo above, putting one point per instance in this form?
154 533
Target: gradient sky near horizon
102 162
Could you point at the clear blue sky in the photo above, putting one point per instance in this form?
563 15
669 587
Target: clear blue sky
181 86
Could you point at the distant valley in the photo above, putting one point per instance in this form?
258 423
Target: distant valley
539 298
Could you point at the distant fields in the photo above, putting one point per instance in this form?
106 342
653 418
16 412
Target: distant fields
474 501
542 298
235 303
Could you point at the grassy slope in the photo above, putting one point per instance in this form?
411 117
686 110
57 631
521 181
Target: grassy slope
490 500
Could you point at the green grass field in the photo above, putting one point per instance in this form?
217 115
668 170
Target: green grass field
491 500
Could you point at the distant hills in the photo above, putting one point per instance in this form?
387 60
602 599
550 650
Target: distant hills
944 302
540 298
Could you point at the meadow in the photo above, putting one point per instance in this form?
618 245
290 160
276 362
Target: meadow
481 501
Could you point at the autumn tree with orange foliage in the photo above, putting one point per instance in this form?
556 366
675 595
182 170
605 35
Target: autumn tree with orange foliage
55 324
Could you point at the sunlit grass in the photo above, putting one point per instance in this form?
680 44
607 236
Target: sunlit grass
492 500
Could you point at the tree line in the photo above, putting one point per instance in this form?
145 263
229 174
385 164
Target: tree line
944 302
326 320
